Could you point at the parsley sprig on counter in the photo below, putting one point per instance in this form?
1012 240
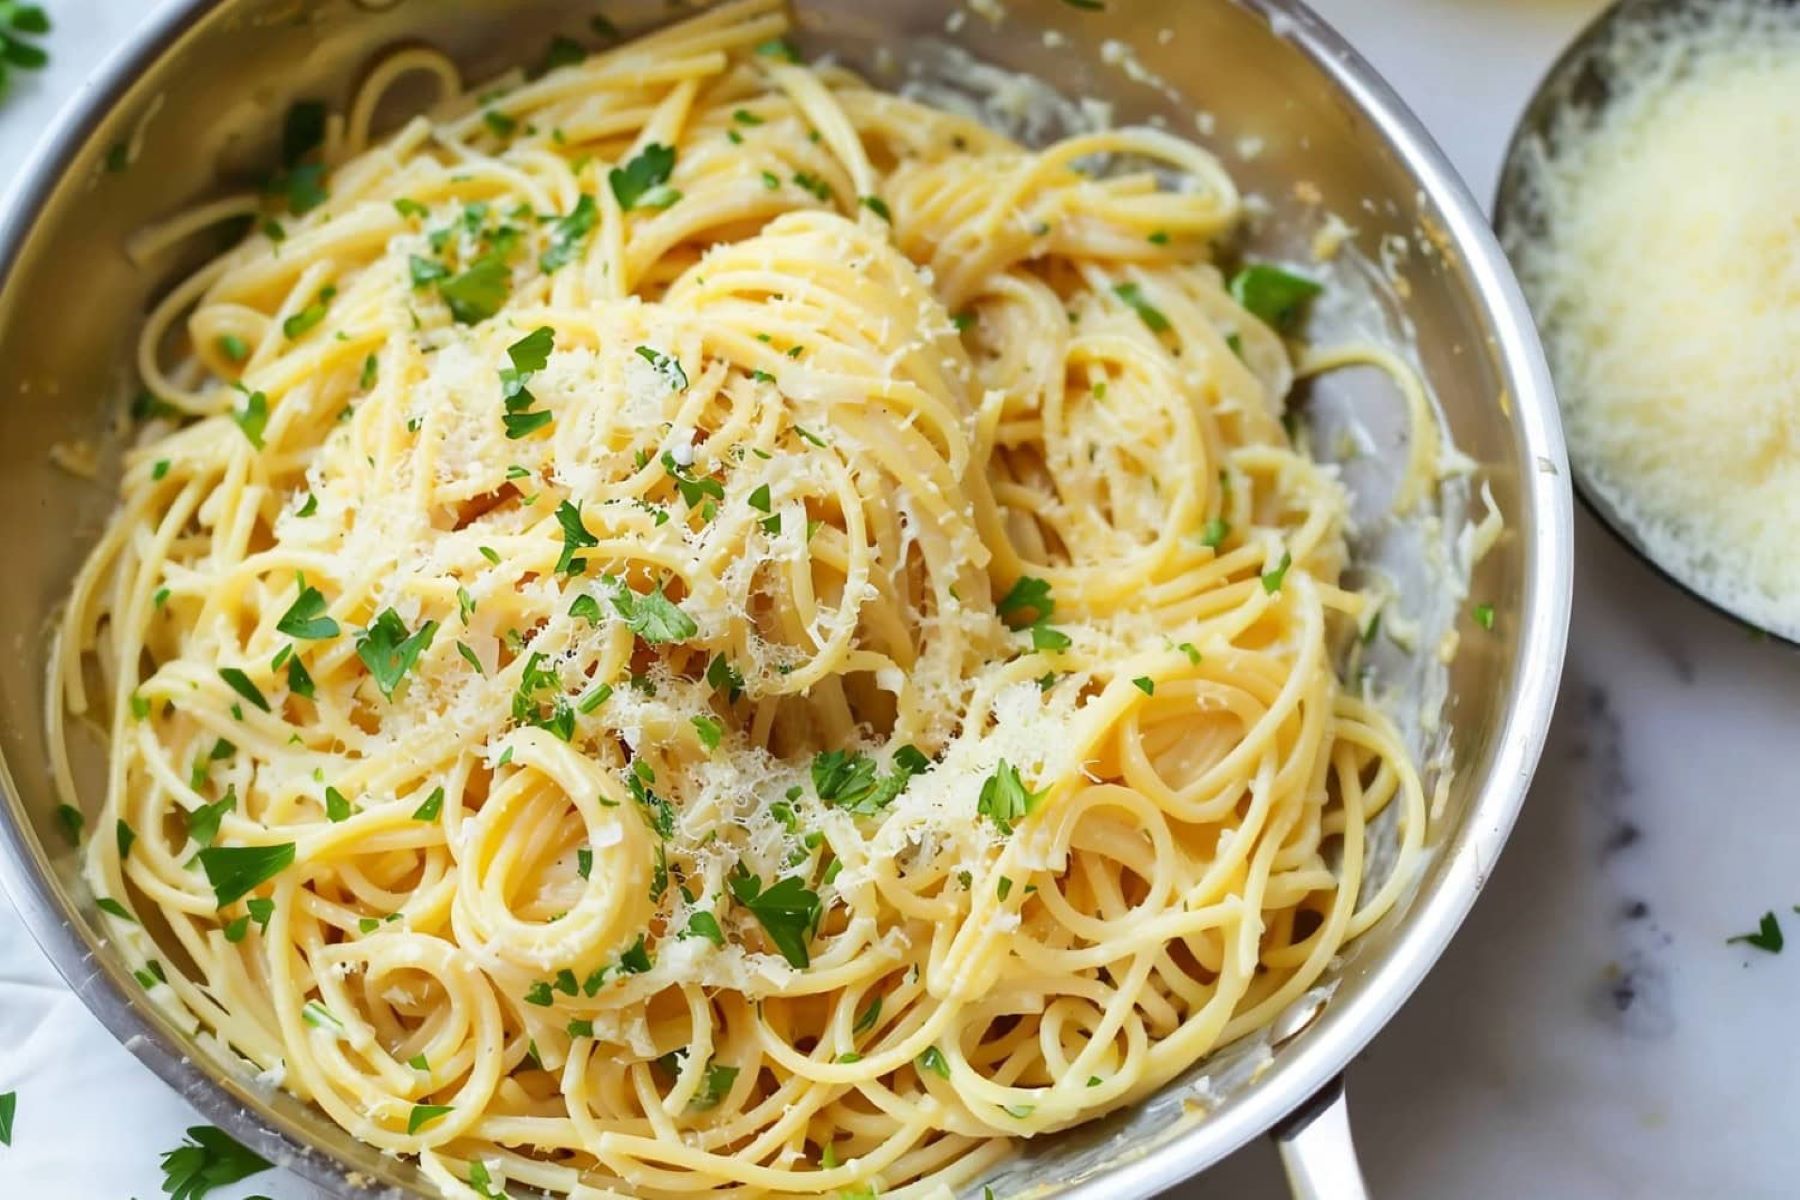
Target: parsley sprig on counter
17 23
209 1158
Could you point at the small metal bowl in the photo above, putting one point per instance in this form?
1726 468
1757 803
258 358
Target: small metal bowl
1580 83
196 100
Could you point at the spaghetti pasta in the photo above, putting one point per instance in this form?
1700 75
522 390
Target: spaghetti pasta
688 625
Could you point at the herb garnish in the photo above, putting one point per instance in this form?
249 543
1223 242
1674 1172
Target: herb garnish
478 292
240 683
1273 296
209 1158
424 1114
1767 937
306 618
575 537
1005 799
667 366
389 651
235 871
1152 316
644 181
788 911
652 616
568 234
253 417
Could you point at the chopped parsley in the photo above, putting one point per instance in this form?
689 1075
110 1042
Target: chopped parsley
666 366
203 822
569 233
1005 800
1272 580
787 910
644 181
207 1159
779 49
878 206
709 731
389 651
1767 937
478 292
1214 533
866 1019
1031 595
704 924
1145 684
234 348
424 1114
306 618
253 417
1484 616
848 780
562 52
1275 297
695 490
652 616
932 1059
111 907
716 1086
240 683
301 323
337 808
235 871
529 355
808 182
126 837
432 806
1152 316
575 537
636 959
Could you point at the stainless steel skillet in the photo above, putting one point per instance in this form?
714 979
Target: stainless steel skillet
197 98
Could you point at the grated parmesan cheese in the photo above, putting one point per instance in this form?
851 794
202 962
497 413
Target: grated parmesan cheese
1668 286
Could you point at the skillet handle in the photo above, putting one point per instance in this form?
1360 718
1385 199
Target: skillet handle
1317 1151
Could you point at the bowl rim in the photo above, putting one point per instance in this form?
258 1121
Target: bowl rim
1316 1056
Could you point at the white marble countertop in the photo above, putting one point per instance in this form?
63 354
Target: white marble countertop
1589 1033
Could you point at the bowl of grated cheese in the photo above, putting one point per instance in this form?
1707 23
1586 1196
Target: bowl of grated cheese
1648 205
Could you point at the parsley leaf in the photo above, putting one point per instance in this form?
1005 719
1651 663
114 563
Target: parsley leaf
575 537
1005 799
389 652
235 871
477 293
424 1114
568 234
1767 937
1273 296
1152 316
209 1158
9 1105
203 822
718 1083
240 683
253 417
1271 581
666 366
644 181
704 924
433 805
653 616
1026 595
306 618
788 911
